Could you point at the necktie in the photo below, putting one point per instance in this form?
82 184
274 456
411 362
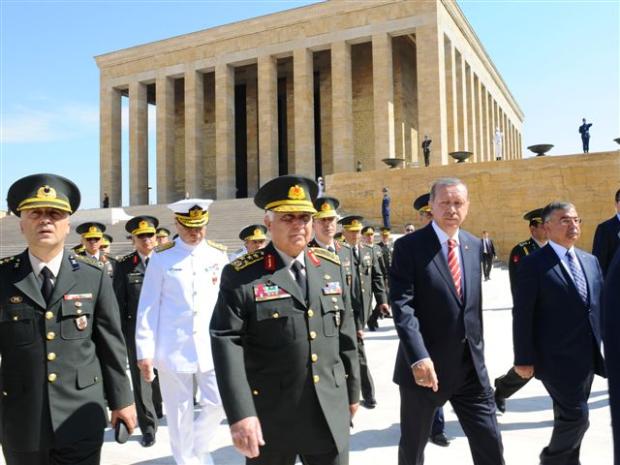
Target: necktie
356 254
47 287
146 262
578 278
331 249
300 278
455 269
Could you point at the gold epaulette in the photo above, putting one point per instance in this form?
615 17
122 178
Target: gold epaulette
166 246
248 259
326 254
89 261
217 245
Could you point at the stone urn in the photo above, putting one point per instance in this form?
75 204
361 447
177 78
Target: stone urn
461 155
394 162
617 140
540 149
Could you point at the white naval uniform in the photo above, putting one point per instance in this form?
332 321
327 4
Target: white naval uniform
178 295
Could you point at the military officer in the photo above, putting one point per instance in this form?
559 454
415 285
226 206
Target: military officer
324 224
109 262
127 286
506 385
106 242
62 349
92 236
422 205
283 340
163 236
78 249
254 238
172 330
367 280
384 249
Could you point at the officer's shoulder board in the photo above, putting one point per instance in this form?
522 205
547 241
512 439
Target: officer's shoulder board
89 261
166 246
124 258
248 259
217 245
326 254
345 245
8 261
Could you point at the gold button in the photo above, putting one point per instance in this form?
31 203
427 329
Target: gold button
51 335
255 392
4 393
15 318
314 357
334 299
51 356
96 378
336 307
52 377
310 313
49 315
327 276
312 334
78 311
276 315
316 379
78 304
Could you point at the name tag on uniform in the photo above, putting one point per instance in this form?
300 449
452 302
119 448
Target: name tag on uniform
262 293
85 296
332 288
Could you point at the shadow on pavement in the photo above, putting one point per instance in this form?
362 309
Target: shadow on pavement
525 425
376 438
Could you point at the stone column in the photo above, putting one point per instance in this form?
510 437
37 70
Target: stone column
225 131
383 98
472 114
494 124
267 118
461 103
481 120
194 131
432 100
138 145
451 96
164 89
110 134
342 107
303 84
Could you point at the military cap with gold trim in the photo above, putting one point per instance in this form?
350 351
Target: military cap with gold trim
192 213
326 207
422 203
385 231
253 232
142 224
368 231
339 236
78 248
162 232
91 230
43 191
352 222
534 216
289 193
106 240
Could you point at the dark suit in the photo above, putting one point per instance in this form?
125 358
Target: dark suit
291 363
59 361
610 328
559 334
128 280
431 321
606 242
487 256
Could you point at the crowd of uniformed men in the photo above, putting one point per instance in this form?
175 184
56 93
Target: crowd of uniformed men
272 335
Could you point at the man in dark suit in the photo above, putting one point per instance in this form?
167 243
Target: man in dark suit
611 327
488 254
283 340
435 291
127 286
556 328
607 238
62 349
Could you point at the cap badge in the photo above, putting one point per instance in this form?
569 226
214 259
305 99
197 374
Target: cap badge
258 232
325 207
93 229
355 223
143 224
195 212
296 193
46 192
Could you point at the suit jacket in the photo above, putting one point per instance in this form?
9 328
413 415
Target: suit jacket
552 328
59 360
430 319
491 247
606 242
291 363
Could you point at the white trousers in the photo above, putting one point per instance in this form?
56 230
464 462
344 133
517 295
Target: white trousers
189 438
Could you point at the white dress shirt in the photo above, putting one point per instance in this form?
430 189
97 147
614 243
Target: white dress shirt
53 265
288 262
443 240
561 253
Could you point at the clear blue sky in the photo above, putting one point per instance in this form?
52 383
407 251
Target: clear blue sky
560 60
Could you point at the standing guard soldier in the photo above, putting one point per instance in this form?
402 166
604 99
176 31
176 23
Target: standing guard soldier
366 281
506 385
61 345
127 286
283 340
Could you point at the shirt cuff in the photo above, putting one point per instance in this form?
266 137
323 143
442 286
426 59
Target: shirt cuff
413 365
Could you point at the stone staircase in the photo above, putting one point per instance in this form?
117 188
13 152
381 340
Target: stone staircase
226 219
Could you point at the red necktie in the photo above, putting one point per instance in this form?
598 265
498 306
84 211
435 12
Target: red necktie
455 269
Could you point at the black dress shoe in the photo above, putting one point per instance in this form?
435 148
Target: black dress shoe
500 403
148 439
440 439
369 404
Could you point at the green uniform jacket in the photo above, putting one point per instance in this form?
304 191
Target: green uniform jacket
58 360
128 278
522 249
367 280
292 364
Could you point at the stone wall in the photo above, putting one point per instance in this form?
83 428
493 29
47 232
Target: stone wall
500 192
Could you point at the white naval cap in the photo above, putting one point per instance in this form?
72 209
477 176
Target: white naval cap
191 213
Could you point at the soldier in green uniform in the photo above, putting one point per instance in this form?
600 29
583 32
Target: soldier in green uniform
163 236
367 280
109 262
506 385
62 349
92 239
127 286
384 248
283 340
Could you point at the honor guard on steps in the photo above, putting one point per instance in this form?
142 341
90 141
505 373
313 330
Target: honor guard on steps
367 280
283 340
179 292
128 281
506 385
62 349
